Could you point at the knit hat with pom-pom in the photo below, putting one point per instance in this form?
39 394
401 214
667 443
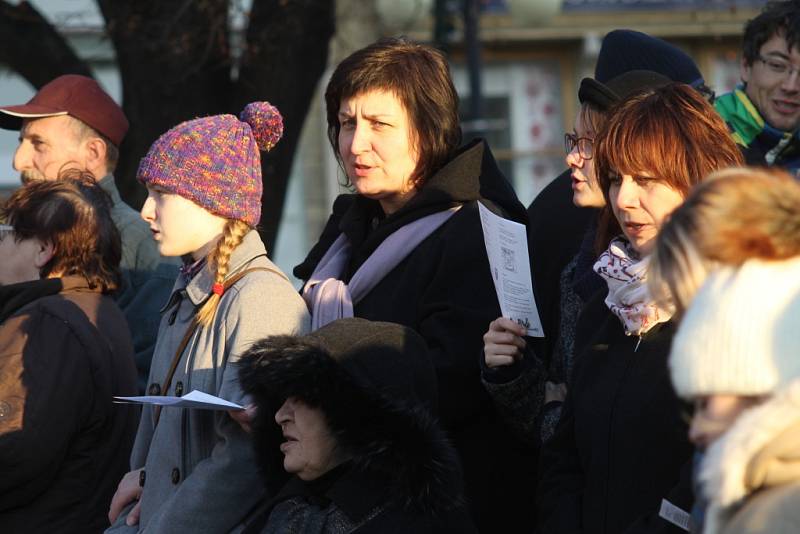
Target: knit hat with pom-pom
215 161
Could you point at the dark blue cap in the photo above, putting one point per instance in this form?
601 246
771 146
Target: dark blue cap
626 50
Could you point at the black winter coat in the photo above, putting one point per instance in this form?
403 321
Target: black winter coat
351 503
444 291
391 486
555 232
65 351
621 445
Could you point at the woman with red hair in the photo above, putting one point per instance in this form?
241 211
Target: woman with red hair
620 447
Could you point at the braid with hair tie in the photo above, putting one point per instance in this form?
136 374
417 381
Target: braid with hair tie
231 237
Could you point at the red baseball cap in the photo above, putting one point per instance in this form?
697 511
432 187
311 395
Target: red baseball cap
74 95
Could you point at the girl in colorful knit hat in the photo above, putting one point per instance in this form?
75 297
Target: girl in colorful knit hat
193 470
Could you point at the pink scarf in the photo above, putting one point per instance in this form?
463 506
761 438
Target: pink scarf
628 296
328 298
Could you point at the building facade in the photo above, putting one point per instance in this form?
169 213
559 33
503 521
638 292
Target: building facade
530 72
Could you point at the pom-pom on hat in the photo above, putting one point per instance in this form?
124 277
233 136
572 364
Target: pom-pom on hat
741 333
215 162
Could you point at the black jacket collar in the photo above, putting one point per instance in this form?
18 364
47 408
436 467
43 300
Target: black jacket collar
472 174
15 296
354 492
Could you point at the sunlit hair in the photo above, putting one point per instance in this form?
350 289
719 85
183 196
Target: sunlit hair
735 215
232 235
777 18
669 133
74 214
418 75
592 117
83 131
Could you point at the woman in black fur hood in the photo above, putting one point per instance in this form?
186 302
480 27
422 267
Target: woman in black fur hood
353 404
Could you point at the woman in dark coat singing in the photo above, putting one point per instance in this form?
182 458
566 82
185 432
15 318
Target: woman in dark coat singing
408 248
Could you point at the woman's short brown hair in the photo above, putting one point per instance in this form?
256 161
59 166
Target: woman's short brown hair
418 75
73 214
670 133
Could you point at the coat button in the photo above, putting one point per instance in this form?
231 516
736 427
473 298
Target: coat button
179 389
154 389
176 475
5 410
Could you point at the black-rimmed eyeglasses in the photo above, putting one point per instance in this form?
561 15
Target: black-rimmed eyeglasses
584 145
778 66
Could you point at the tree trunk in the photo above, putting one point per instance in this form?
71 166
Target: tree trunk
174 61
286 53
30 46
175 64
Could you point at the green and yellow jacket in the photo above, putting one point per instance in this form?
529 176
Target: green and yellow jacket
761 144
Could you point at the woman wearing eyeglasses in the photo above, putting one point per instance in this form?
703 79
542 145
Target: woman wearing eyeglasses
620 448
521 382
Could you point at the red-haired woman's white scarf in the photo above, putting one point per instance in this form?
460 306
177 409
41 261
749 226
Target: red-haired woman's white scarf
628 296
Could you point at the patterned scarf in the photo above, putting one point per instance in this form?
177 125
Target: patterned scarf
628 296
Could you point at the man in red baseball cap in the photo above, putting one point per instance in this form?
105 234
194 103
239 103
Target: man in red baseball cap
72 123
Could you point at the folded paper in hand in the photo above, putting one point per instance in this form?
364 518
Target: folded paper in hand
193 399
507 249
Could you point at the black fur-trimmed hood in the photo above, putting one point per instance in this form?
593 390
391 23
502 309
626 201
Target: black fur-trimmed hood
377 388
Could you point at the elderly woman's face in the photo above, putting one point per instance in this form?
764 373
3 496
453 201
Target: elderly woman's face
376 145
21 259
641 204
309 449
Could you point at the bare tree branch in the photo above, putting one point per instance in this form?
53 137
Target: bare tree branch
46 54
175 63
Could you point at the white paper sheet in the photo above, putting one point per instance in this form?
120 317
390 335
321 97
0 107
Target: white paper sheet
193 399
507 248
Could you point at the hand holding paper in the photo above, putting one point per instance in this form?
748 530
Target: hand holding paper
507 248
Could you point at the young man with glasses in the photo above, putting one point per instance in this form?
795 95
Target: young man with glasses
763 112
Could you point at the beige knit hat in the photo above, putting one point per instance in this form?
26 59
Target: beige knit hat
741 333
